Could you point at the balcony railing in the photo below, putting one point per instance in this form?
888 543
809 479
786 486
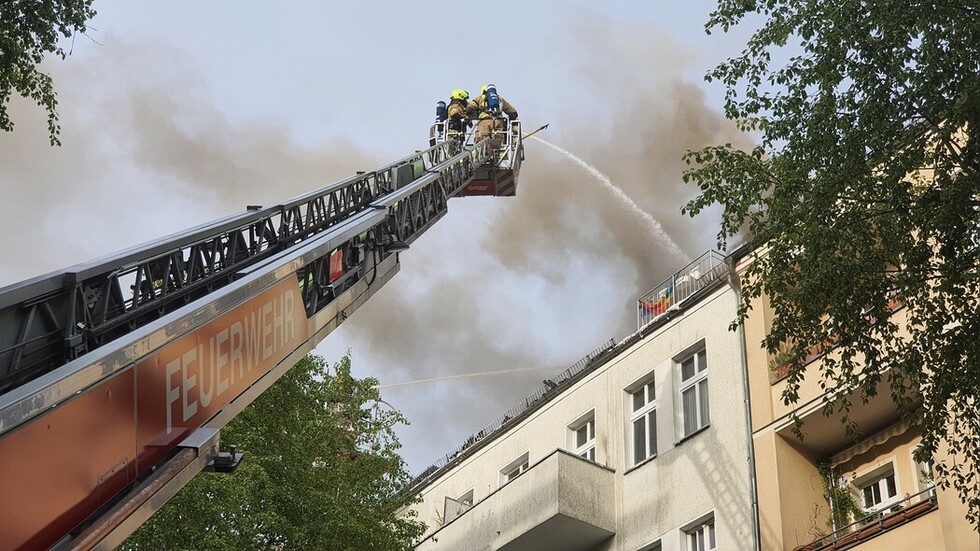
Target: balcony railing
561 503
697 275
876 522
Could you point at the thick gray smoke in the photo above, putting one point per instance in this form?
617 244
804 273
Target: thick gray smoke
140 159
556 271
536 280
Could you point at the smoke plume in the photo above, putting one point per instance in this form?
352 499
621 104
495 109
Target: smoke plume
555 272
499 284
140 159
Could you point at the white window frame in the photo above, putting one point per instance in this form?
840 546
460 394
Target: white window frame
586 450
454 508
642 413
701 535
698 384
514 469
924 474
878 477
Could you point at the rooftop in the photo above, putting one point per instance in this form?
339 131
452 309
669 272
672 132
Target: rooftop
684 288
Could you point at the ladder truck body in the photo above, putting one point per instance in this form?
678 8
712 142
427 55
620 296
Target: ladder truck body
117 375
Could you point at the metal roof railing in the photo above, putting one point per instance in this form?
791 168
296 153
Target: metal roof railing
697 275
550 387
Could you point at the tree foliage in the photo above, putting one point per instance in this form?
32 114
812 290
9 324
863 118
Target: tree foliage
864 191
29 29
320 472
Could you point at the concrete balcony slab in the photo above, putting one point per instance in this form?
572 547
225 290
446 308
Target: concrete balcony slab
561 503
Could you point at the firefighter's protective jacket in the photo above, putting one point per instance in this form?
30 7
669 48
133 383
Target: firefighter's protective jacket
478 108
459 120
456 109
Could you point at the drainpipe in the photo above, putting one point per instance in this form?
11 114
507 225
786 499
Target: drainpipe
733 281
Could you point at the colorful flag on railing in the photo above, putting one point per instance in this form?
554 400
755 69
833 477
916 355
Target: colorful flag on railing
661 305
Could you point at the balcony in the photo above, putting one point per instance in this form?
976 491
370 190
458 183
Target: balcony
562 503
825 435
877 523
674 290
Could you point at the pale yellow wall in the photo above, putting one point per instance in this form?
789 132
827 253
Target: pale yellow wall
767 403
809 391
957 533
921 534
896 451
946 528
757 359
793 510
767 483
802 505
790 494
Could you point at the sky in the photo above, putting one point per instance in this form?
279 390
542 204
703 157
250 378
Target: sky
176 113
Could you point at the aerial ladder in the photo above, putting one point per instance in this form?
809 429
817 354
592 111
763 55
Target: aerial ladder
117 375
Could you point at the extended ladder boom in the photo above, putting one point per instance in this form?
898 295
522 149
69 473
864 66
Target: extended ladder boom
116 375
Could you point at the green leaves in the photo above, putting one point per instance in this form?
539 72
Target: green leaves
865 193
29 29
320 472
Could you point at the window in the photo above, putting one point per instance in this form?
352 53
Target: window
702 536
456 507
514 469
924 474
643 420
694 392
880 490
581 436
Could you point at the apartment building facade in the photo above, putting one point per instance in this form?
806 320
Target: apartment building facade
833 490
678 438
644 445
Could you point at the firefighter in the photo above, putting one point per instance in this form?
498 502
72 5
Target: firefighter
456 111
489 108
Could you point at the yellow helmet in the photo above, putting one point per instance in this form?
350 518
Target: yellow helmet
460 94
484 89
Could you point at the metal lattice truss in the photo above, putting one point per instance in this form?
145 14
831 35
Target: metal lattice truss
50 320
